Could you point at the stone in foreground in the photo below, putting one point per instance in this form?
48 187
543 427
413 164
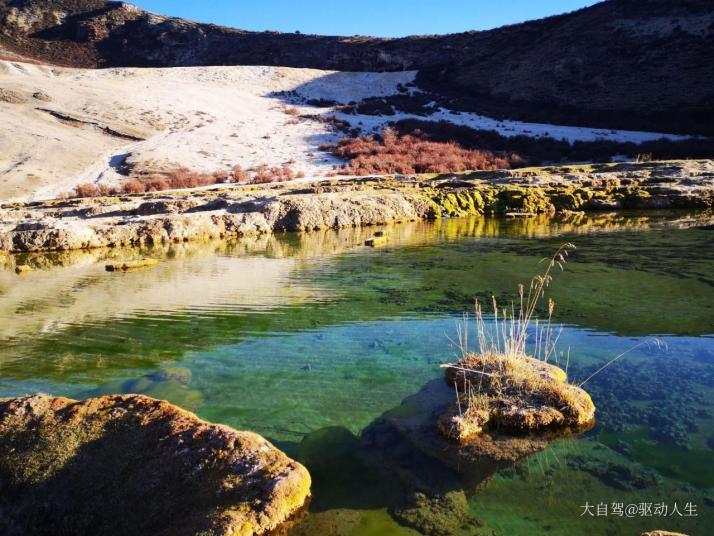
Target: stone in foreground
135 465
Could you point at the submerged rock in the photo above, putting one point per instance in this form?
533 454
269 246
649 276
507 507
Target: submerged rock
440 515
23 269
135 465
434 477
131 265
401 465
376 241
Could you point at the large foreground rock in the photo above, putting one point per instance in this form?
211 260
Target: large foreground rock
134 465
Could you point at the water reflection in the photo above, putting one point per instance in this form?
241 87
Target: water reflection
72 287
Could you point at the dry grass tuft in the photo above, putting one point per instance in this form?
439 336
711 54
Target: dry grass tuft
511 389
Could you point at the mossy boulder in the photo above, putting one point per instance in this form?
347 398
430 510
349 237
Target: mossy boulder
529 200
518 394
637 199
570 199
602 200
461 202
130 464
566 201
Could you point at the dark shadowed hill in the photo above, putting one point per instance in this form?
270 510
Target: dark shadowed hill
638 64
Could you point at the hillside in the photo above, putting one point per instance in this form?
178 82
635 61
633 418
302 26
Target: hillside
65 127
632 64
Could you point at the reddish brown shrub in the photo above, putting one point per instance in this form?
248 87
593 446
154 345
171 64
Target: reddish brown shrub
222 177
86 190
133 186
392 153
287 172
264 174
545 150
185 178
105 189
157 183
239 175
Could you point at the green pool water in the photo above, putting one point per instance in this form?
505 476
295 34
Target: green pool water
318 343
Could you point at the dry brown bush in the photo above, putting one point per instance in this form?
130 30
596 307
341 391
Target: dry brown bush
86 190
133 186
185 178
169 180
157 183
222 177
411 153
265 174
239 174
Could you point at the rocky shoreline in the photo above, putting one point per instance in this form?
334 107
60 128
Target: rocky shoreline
235 211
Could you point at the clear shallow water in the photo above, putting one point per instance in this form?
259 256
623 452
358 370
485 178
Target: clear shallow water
313 341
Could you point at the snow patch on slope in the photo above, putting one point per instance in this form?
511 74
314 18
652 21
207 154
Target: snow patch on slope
374 124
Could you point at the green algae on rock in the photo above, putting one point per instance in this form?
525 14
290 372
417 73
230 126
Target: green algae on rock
237 211
135 465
